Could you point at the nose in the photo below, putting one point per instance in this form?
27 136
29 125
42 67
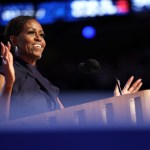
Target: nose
38 37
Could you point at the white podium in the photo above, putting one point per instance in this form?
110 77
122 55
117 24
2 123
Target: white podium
127 111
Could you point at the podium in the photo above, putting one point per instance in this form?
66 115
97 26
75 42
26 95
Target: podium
126 111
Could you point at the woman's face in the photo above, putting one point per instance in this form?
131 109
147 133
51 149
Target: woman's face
30 41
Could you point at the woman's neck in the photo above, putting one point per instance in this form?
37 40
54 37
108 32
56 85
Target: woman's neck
28 60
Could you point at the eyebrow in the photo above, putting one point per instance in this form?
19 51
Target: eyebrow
34 29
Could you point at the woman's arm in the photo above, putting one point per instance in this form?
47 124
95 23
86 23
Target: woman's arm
5 95
6 81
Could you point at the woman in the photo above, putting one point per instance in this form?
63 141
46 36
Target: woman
24 91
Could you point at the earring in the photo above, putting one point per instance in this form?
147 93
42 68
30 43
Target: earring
16 50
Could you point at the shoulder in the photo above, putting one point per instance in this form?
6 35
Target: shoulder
20 71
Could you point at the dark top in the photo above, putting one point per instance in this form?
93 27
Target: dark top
32 93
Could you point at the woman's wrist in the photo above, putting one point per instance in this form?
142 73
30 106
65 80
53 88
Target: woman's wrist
9 85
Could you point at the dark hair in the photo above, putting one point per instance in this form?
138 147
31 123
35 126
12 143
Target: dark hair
15 26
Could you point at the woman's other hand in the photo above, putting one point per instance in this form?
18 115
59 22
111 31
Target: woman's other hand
129 87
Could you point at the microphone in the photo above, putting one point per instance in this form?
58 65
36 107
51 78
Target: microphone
89 66
92 65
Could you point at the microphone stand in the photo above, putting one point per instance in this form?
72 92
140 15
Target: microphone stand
92 65
118 84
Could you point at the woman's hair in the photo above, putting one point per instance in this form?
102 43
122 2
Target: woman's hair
15 26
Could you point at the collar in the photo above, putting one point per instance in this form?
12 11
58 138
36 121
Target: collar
32 70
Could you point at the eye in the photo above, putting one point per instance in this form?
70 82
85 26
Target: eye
42 35
31 32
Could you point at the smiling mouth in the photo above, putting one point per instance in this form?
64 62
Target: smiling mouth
38 46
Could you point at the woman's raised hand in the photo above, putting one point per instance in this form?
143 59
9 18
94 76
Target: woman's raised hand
7 64
129 87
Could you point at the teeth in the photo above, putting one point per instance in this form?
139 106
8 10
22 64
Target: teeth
37 45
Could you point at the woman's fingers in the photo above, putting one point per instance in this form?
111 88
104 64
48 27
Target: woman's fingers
129 87
8 45
5 53
116 91
136 86
2 49
8 67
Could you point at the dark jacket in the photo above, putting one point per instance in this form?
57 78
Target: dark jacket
32 93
